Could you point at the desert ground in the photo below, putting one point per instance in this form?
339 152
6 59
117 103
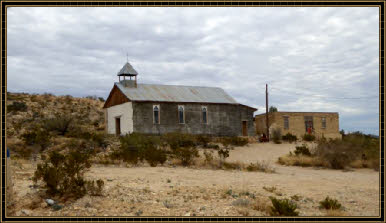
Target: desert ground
193 191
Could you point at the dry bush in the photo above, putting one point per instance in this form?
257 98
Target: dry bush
335 213
304 161
261 204
276 136
263 166
270 189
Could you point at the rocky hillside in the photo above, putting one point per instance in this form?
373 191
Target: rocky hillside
39 122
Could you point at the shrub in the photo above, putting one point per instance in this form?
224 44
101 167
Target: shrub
212 146
63 174
101 99
240 202
153 157
289 137
329 203
60 124
95 188
302 150
186 155
92 97
283 207
234 141
38 137
17 106
203 140
138 147
308 137
261 166
223 154
276 136
176 140
232 165
208 156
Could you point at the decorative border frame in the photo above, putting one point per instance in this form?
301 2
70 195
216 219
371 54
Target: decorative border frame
197 3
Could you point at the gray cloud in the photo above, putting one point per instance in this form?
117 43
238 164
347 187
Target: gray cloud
312 58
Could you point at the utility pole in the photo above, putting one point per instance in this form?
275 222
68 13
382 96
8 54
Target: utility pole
266 110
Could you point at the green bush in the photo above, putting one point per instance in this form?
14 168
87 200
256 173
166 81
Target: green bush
176 140
308 137
302 150
203 140
101 99
329 203
234 141
17 106
276 136
212 146
339 153
138 147
63 173
186 154
37 137
60 124
283 207
289 137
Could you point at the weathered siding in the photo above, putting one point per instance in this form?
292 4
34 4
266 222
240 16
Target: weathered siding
125 112
297 123
223 119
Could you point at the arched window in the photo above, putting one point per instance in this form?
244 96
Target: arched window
181 112
204 115
156 114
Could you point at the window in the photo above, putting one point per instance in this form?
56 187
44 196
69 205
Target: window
323 122
156 114
286 122
204 115
309 123
181 112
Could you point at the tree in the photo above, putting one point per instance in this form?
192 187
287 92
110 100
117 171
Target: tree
272 109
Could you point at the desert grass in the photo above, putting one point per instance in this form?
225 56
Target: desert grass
336 213
301 160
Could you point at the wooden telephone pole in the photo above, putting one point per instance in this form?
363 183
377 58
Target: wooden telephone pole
266 110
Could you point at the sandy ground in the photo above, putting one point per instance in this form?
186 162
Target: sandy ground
179 191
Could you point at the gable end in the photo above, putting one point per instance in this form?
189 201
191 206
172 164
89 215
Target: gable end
116 97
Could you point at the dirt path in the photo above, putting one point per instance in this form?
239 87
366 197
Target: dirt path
179 191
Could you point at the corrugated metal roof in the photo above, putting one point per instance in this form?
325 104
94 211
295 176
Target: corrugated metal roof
176 93
127 69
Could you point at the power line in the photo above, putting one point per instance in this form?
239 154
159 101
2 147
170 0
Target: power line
327 97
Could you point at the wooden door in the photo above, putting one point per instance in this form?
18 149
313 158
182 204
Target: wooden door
118 126
245 128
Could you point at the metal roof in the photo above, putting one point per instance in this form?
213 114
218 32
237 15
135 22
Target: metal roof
127 69
176 93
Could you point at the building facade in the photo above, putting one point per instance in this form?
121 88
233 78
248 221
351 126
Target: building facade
320 124
159 109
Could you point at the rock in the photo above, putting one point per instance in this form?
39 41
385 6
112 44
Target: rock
187 214
26 212
50 201
202 208
352 201
57 207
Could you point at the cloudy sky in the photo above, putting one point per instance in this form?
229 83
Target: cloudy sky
313 59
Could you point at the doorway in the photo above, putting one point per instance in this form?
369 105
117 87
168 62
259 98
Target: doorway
118 126
245 128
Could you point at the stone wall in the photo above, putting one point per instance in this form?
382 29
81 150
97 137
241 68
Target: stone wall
297 123
222 119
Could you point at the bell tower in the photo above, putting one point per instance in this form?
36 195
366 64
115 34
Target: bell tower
129 76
